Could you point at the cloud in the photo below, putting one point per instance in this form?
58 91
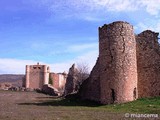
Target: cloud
13 66
94 10
148 24
17 66
117 6
151 6
89 58
82 47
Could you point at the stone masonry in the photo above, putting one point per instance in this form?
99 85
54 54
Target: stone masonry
148 62
59 80
90 88
36 76
71 86
118 65
128 66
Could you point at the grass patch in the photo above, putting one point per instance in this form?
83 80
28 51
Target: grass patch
143 105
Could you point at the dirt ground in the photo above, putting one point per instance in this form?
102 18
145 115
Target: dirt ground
36 106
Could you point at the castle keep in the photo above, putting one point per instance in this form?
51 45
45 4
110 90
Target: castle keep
36 76
39 75
127 68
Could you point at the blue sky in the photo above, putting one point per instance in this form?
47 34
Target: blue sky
62 32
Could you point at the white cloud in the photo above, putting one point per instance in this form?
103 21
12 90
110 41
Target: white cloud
151 6
96 10
148 24
118 6
13 66
17 66
82 47
61 67
89 58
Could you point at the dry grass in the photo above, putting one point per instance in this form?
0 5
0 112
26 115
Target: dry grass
36 106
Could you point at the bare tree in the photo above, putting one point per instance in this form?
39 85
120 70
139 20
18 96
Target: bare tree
76 75
83 72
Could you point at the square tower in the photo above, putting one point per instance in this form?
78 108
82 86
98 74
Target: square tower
36 76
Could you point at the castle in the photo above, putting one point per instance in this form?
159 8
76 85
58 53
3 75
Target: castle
39 75
36 76
127 67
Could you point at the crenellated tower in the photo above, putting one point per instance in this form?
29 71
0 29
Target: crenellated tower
36 76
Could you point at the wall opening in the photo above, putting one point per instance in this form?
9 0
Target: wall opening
113 95
134 93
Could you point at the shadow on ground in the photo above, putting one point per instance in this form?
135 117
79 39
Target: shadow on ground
41 101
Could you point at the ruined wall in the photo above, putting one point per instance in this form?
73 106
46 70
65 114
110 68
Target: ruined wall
36 76
71 81
55 80
148 64
62 81
58 80
118 66
90 88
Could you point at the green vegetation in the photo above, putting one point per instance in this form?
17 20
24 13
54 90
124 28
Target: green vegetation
143 105
50 79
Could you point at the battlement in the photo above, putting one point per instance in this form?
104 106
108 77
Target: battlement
37 75
37 68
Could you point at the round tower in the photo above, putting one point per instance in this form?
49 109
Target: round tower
27 76
46 74
117 59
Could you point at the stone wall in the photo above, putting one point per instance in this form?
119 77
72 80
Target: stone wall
55 80
36 76
148 62
71 81
58 80
114 77
118 64
90 88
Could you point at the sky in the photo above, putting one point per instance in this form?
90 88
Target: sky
62 32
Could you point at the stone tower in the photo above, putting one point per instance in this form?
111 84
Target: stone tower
36 76
114 77
118 64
